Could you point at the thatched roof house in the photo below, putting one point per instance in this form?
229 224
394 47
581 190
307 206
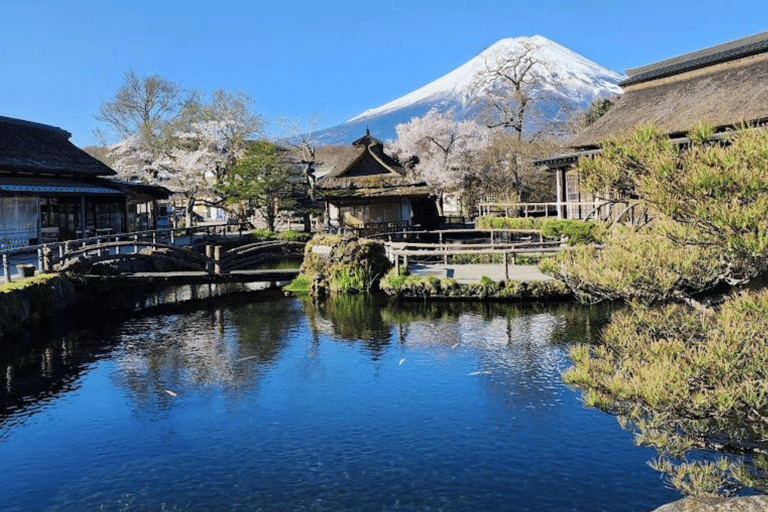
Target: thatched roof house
27 147
725 85
371 191
50 189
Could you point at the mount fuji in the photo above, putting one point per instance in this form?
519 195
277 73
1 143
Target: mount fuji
564 78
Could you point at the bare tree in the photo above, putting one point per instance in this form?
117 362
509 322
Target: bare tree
150 107
170 136
504 88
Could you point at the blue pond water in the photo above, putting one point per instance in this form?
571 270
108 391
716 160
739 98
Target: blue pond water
279 404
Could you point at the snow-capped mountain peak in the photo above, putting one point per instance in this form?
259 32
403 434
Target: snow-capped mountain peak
558 72
558 68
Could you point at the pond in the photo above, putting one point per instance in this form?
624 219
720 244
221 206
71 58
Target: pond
271 403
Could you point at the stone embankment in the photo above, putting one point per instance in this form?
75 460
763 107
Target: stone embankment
740 504
46 296
33 300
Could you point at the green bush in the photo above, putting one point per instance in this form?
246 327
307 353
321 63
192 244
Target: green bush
574 231
508 222
293 236
449 288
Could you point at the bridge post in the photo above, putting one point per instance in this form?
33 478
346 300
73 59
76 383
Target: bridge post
98 251
6 269
217 260
47 263
136 247
154 237
209 257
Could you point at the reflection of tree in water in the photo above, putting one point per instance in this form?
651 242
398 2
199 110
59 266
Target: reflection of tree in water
353 318
226 348
519 348
35 366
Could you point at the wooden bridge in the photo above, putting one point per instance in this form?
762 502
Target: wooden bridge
149 260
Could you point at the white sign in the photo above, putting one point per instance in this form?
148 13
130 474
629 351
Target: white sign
321 249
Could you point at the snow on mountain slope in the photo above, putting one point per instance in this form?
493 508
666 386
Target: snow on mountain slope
560 73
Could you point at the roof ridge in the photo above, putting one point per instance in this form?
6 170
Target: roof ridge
32 124
732 50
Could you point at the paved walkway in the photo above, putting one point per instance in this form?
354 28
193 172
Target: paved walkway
473 273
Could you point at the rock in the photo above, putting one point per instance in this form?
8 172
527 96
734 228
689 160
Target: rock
738 504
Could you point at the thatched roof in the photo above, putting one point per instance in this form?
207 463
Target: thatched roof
369 172
27 147
724 85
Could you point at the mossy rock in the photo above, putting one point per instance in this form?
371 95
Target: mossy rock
339 263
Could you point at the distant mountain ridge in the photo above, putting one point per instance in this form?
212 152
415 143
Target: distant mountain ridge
565 76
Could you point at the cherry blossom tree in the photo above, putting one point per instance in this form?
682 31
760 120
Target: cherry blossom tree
172 137
447 152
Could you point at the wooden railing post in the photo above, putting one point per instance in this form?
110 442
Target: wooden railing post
209 259
136 244
217 260
47 260
6 269
506 266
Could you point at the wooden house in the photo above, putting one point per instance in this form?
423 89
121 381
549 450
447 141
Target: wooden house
371 192
725 85
52 190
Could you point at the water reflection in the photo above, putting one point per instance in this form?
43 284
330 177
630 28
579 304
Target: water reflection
359 403
352 318
219 349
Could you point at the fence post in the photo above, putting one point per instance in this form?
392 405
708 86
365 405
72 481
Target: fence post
136 244
217 260
154 237
173 237
397 263
40 261
46 267
506 266
6 269
209 257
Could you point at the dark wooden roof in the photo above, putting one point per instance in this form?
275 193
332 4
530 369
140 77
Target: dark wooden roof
370 172
27 147
724 94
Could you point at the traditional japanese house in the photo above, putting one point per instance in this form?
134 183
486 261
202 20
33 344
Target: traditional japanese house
371 192
52 190
725 85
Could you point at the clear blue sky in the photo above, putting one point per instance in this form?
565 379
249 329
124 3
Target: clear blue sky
60 60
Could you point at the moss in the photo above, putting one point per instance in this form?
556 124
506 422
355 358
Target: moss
299 286
26 282
344 264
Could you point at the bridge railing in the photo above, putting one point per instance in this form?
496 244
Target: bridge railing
398 251
34 255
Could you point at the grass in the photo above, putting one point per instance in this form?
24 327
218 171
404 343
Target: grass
20 283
